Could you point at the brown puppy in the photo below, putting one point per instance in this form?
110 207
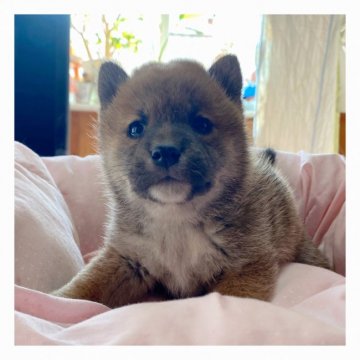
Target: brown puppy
191 210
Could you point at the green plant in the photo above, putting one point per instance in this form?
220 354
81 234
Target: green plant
110 39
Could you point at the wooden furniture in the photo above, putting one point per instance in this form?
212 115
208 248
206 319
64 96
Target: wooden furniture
249 128
82 136
83 130
342 134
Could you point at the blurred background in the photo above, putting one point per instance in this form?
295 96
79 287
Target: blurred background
293 70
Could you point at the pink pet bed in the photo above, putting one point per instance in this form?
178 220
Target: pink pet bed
59 216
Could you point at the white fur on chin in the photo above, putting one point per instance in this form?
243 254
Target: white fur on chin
172 192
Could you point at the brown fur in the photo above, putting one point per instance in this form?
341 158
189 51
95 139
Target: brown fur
227 221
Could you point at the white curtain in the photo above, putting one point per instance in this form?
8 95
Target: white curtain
298 83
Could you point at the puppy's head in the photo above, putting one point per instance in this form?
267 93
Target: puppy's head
172 133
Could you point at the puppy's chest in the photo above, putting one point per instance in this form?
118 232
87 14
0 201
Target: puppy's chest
178 242
179 251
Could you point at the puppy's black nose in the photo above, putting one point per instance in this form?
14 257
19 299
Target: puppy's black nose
165 156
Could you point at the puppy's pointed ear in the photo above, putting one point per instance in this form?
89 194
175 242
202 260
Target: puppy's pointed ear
226 71
111 77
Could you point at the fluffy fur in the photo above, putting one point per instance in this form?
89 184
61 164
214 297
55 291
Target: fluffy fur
192 210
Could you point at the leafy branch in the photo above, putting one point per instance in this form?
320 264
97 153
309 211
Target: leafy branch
110 37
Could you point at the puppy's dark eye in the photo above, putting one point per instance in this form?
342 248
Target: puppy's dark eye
201 125
136 129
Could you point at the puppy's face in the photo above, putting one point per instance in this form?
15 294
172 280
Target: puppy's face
171 132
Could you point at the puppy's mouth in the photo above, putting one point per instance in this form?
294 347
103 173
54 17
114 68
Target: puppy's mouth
170 190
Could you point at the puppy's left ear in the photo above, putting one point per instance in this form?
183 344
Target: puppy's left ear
226 71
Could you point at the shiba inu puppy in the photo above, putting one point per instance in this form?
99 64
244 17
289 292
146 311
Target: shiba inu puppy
192 210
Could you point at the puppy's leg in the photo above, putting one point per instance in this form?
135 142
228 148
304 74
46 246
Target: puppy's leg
255 280
111 279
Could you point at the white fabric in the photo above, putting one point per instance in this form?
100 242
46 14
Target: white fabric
298 80
47 251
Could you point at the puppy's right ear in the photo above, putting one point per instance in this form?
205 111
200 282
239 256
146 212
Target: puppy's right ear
111 76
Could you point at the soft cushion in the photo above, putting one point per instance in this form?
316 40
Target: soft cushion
80 181
308 306
46 242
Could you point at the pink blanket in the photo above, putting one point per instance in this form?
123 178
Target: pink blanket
59 213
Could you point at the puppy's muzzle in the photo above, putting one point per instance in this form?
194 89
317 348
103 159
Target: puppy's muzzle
165 156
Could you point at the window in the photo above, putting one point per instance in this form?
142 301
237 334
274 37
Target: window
134 40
